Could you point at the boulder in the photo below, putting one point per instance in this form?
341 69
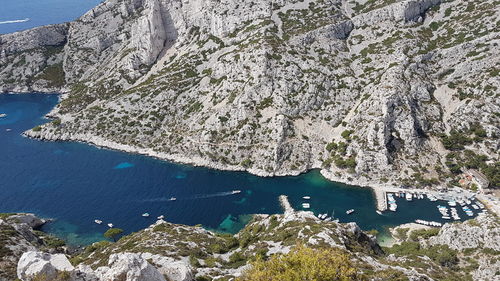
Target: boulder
30 219
35 263
128 267
174 270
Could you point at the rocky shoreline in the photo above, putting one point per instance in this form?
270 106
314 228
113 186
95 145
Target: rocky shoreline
377 188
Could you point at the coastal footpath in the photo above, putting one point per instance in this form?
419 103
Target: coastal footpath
373 93
166 251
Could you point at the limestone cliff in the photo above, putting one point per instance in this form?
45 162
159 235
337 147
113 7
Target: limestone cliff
371 92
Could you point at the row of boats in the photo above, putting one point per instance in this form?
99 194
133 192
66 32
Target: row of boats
145 215
444 213
307 205
391 200
429 223
464 204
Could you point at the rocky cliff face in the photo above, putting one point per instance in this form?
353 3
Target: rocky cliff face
32 60
372 92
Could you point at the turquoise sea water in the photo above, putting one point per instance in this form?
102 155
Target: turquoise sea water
34 13
75 183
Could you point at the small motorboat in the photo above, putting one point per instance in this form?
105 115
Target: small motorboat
378 212
161 217
2 115
235 191
8 130
306 205
307 197
110 225
98 221
172 199
409 196
145 215
349 211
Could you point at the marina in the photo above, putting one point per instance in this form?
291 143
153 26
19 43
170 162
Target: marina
465 199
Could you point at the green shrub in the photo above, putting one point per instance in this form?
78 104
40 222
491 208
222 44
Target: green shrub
304 264
415 235
346 134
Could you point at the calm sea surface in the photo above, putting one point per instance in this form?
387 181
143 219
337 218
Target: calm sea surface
16 15
75 183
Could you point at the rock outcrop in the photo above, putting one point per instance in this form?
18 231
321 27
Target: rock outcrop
122 266
35 263
482 232
129 267
16 237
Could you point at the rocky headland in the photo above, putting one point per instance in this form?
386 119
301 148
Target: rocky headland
377 93
166 251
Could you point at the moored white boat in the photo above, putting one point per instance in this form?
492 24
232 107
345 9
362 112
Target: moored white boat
161 217
145 215
349 211
98 221
307 197
409 196
393 207
110 225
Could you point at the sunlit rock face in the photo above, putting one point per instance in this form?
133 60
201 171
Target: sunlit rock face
368 92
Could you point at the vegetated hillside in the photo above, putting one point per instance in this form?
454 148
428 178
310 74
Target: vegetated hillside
292 246
372 92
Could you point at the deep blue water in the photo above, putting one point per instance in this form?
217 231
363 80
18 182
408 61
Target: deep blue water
40 12
75 183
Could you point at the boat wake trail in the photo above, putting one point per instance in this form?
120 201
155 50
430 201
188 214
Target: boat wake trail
14 21
218 194
161 199
199 196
